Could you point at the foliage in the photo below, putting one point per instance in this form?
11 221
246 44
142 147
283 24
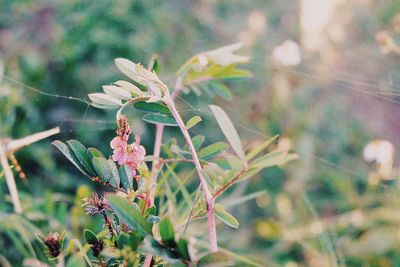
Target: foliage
136 218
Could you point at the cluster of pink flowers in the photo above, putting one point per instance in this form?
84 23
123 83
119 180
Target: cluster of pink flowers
131 155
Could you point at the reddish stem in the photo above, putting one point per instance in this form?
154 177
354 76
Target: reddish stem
212 233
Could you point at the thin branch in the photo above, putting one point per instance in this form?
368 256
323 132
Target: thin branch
228 184
20 143
12 188
162 161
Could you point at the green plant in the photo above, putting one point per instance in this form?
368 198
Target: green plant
140 229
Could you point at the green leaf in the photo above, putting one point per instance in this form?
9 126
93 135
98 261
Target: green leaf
123 240
105 100
225 216
260 148
182 246
212 151
167 232
90 237
220 89
114 179
197 141
134 240
130 215
126 177
216 259
95 153
133 89
102 168
154 64
160 119
69 155
80 152
273 159
117 92
193 121
152 210
152 107
229 131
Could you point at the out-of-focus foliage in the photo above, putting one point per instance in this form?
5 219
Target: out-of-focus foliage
330 208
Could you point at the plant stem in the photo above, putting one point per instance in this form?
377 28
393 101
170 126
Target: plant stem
212 233
148 260
227 185
156 160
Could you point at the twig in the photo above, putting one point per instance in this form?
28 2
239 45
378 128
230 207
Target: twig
228 184
12 188
20 143
162 161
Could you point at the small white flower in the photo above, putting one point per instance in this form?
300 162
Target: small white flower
287 54
381 151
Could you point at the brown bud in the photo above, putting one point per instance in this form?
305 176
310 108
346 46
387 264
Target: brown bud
124 130
53 243
97 247
95 204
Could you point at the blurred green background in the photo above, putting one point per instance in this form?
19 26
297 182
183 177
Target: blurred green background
329 208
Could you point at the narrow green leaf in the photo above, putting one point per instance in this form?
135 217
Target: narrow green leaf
117 92
225 216
273 159
90 237
167 232
114 179
80 152
182 246
193 121
154 64
152 107
216 259
197 141
241 200
160 119
126 177
260 148
104 99
130 215
220 89
229 131
133 89
212 151
69 155
82 250
102 169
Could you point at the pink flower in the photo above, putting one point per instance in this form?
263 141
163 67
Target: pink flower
120 146
130 155
135 154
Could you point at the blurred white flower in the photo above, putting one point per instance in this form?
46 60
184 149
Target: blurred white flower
381 151
287 54
256 22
